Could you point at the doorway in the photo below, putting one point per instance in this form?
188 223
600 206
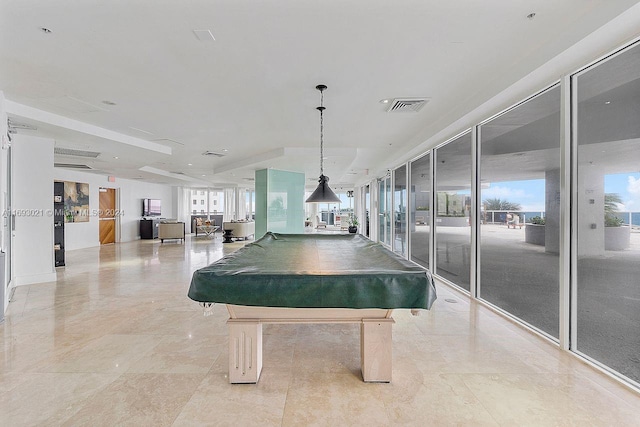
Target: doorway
107 215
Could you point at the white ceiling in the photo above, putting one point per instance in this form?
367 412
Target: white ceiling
252 90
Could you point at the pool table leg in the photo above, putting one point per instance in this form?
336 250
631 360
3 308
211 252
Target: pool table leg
245 351
375 349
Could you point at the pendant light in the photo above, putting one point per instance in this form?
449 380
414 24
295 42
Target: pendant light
322 194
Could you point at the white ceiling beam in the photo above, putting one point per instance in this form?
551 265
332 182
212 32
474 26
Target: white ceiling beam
78 126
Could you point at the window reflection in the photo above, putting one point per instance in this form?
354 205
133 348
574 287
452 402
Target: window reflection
608 212
400 210
453 206
384 215
367 209
420 210
520 211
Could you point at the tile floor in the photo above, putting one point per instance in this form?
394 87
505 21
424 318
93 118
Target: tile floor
115 341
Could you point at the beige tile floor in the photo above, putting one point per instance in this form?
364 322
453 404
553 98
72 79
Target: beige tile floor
115 341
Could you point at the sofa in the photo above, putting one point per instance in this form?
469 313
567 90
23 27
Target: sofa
198 220
171 230
242 229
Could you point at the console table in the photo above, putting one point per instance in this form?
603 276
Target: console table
149 228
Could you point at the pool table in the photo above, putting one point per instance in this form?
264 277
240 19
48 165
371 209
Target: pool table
312 278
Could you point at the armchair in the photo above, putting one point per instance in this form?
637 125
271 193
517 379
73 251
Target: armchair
171 230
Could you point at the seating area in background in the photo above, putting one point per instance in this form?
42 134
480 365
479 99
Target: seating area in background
207 228
200 220
171 230
320 223
238 229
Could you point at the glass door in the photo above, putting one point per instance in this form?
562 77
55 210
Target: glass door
384 215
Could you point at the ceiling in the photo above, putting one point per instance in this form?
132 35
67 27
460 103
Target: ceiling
249 95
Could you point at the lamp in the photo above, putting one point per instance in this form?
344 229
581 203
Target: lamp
322 194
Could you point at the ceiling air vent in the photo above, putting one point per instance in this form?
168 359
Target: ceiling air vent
406 105
213 153
71 166
76 153
15 126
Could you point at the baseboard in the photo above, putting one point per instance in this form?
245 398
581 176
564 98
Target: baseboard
35 278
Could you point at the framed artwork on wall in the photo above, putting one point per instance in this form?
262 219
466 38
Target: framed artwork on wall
76 202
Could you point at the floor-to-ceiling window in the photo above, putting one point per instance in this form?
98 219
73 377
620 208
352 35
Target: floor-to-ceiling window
453 206
420 224
549 211
206 202
250 203
608 212
384 210
400 210
520 211
367 209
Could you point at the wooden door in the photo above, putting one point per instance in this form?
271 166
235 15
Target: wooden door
107 215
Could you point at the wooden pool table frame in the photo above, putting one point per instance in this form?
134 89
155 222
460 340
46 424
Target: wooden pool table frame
245 337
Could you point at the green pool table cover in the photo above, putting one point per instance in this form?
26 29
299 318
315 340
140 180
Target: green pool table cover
314 271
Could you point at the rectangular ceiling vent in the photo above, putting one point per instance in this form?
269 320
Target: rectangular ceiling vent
406 105
76 153
15 126
71 166
213 153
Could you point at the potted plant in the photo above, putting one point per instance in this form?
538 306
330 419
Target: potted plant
616 236
353 223
534 232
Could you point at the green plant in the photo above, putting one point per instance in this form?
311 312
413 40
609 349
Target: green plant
612 221
352 220
537 220
611 203
500 205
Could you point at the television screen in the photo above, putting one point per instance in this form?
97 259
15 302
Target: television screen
151 207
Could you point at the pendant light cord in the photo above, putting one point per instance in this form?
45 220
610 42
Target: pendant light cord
321 131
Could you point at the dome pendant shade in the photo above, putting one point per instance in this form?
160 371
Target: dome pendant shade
323 194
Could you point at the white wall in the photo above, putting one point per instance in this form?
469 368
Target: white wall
4 231
79 235
32 195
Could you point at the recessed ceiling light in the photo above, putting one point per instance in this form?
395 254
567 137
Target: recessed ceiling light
384 101
189 164
531 15
108 102
608 102
115 157
204 175
225 150
45 30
